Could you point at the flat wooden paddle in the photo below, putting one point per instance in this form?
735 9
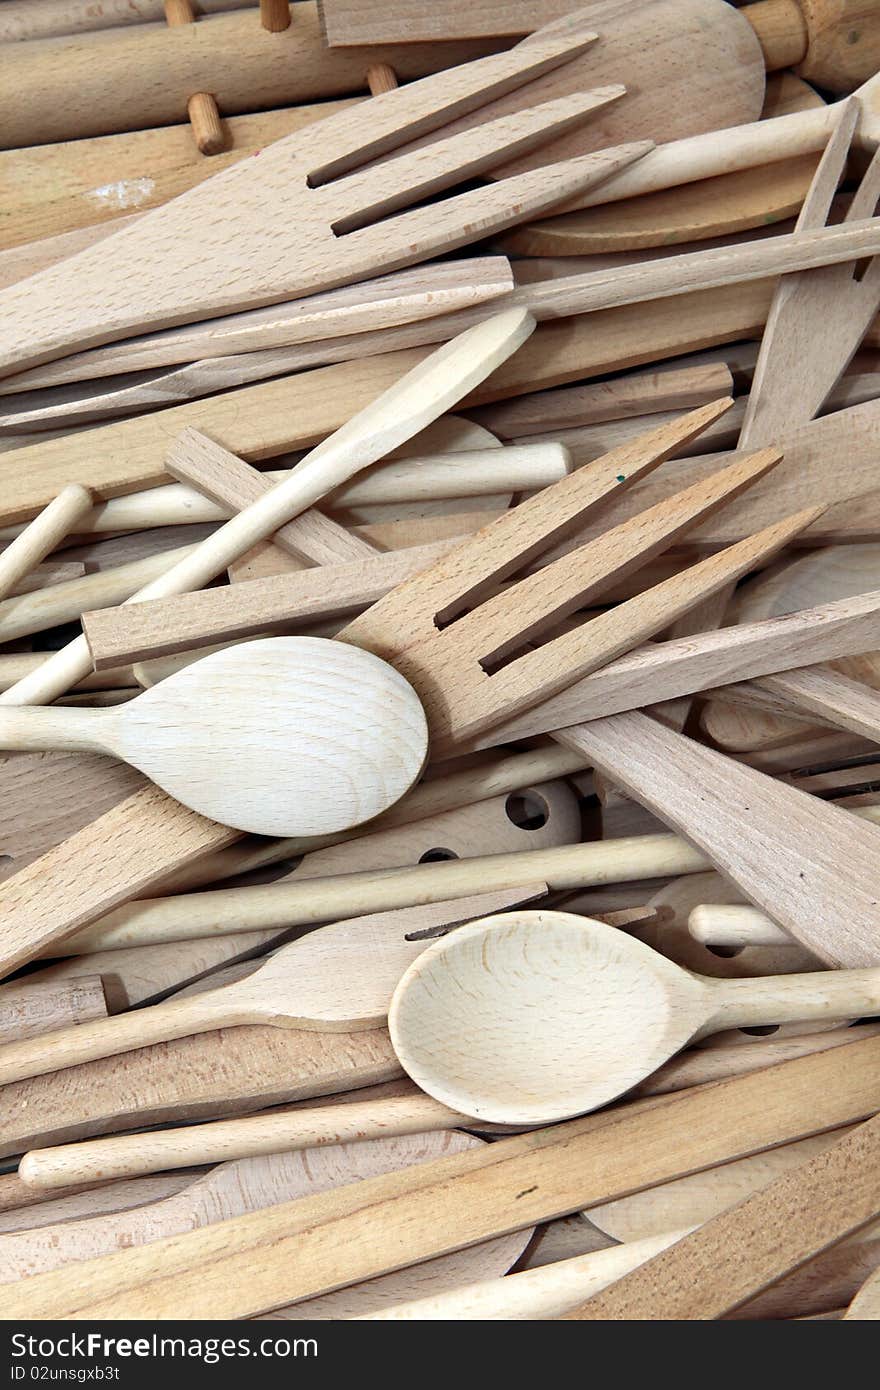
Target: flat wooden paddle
536 1016
287 736
337 979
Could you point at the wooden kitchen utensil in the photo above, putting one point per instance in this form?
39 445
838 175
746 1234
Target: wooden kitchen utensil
27 1010
329 1241
403 297
729 924
249 1184
736 1254
817 38
320 202
306 984
265 736
866 1304
414 401
537 1016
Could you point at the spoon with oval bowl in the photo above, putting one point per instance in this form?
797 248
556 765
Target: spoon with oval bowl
537 1016
284 736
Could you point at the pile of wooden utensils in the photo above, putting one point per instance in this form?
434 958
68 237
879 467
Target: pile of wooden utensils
455 511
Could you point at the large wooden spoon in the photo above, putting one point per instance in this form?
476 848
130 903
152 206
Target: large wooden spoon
536 1016
285 736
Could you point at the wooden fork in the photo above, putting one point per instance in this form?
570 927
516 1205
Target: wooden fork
305 214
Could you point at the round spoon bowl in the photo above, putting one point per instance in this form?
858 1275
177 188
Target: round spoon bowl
531 1017
283 736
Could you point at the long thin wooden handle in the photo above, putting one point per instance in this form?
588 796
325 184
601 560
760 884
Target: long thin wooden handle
298 903
725 265
77 730
415 401
42 535
735 1255
545 1292
129 1154
727 924
831 994
178 1018
28 1009
291 1252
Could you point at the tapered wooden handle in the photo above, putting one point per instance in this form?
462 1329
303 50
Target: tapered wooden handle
129 1154
76 730
831 994
104 1038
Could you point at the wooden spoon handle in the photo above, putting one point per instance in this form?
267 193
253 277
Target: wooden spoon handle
106 1037
76 730
130 1154
831 994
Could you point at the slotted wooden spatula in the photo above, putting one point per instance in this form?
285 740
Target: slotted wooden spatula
306 215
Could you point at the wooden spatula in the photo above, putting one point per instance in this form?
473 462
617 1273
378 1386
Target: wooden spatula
306 215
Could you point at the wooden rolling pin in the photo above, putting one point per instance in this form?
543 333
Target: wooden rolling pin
142 76
44 19
833 43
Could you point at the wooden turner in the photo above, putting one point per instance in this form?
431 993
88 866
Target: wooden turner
306 215
287 736
333 980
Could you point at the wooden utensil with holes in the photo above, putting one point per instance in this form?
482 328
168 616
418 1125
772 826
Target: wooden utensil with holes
321 203
537 1015
338 979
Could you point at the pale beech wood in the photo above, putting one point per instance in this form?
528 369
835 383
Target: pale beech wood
223 1140
237 762
835 698
413 402
196 1078
145 76
339 979
421 292
814 874
837 45
42 536
729 924
42 575
291 904
24 1208
250 1184
639 393
204 116
14 665
269 418
329 1241
776 1230
309 201
29 1009
40 19
101 865
666 670
535 1016
530 1294
866 1304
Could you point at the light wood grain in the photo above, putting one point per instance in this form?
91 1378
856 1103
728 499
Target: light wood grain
232 56
458 1201
722 924
236 762
768 1235
306 208
866 1304
321 982
24 1208
595 1013
813 873
260 421
29 1009
250 1184
421 292
42 536
40 19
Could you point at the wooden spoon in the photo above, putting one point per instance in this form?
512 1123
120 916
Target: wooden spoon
284 736
536 1016
333 980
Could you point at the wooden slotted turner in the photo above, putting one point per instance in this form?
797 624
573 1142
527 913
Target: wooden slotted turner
305 215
